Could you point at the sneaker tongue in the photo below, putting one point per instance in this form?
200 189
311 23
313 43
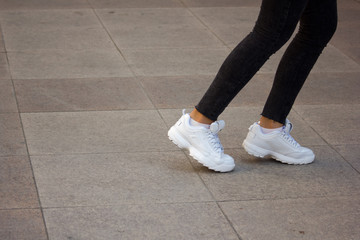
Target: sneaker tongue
215 127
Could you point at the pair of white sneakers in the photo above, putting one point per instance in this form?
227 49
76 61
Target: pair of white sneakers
204 145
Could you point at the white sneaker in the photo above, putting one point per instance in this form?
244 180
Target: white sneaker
203 144
278 144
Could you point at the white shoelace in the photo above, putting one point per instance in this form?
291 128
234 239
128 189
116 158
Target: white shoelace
289 139
213 137
215 142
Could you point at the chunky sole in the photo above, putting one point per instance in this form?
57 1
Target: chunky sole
176 137
260 152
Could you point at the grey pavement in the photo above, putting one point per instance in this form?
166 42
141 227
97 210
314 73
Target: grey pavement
89 88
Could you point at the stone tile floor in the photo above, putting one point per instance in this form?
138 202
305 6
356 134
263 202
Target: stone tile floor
88 89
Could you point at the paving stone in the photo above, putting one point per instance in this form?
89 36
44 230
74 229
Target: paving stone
135 4
42 4
254 178
7 97
17 184
175 62
80 95
95 63
164 221
309 218
231 24
157 28
238 120
11 138
95 132
22 224
112 179
337 124
4 69
351 154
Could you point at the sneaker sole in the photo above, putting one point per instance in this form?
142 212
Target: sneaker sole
182 143
260 152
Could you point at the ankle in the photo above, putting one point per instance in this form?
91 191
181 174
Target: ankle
270 130
269 123
200 118
198 124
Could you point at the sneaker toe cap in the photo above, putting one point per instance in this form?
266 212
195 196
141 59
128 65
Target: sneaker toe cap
227 160
226 164
304 156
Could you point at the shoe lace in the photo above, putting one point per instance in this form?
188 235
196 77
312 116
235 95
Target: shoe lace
286 134
290 139
213 137
214 141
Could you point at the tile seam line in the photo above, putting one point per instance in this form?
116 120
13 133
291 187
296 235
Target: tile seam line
166 109
25 141
201 47
128 204
293 109
91 111
112 78
126 152
90 7
213 197
102 153
87 110
201 202
348 56
141 84
132 49
204 24
135 152
187 202
19 208
30 163
112 40
291 198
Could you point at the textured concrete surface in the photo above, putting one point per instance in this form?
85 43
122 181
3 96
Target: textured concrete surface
89 88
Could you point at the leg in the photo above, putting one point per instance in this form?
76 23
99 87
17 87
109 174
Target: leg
317 26
276 22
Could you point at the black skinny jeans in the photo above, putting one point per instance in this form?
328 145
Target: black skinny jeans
275 25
